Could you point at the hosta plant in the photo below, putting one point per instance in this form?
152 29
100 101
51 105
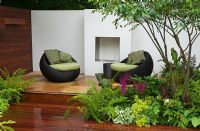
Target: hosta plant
123 115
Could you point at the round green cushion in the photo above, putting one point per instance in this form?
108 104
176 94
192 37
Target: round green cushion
66 66
122 67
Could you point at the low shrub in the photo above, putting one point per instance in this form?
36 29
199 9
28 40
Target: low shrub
142 103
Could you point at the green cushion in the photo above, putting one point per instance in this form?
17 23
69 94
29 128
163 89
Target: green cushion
122 67
52 56
66 66
136 57
65 57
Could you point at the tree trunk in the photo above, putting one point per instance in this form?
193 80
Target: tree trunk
186 89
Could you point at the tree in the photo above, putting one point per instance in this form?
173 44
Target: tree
166 17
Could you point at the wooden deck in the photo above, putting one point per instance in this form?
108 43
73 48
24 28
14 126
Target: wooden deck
44 111
41 85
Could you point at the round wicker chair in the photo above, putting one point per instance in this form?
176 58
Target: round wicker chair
55 75
144 69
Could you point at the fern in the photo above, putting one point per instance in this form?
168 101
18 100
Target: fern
4 73
12 84
4 127
3 106
11 95
3 124
10 87
99 105
19 73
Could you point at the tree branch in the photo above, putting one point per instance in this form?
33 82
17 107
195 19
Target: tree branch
156 41
162 37
175 36
153 40
194 38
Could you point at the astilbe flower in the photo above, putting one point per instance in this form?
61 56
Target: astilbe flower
139 87
123 82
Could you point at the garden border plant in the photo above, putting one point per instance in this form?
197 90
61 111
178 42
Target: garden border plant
136 104
162 19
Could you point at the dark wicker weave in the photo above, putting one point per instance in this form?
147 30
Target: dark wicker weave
55 75
144 69
107 71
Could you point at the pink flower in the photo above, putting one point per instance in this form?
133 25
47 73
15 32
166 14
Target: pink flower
123 81
140 87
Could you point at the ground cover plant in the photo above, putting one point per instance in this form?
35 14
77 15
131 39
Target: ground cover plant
11 86
142 102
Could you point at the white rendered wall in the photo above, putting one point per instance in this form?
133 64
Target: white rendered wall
95 27
109 48
63 30
141 41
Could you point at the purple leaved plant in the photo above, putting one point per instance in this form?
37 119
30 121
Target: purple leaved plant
123 82
139 87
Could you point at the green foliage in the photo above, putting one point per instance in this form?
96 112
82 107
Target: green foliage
11 95
106 83
99 77
176 59
146 111
4 124
195 92
67 113
107 104
123 115
10 87
196 75
19 73
100 105
4 127
173 113
12 84
130 93
175 91
195 121
135 11
103 82
3 106
49 4
153 85
173 77
176 114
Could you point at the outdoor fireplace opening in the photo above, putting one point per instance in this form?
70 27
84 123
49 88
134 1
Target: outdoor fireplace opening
107 49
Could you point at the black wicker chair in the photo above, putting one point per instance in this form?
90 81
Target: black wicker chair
144 69
55 75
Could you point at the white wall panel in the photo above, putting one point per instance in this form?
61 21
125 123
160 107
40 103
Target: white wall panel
61 30
95 27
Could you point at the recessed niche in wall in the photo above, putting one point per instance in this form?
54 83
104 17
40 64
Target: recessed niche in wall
107 49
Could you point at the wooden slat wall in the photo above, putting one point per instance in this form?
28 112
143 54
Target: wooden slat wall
15 40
